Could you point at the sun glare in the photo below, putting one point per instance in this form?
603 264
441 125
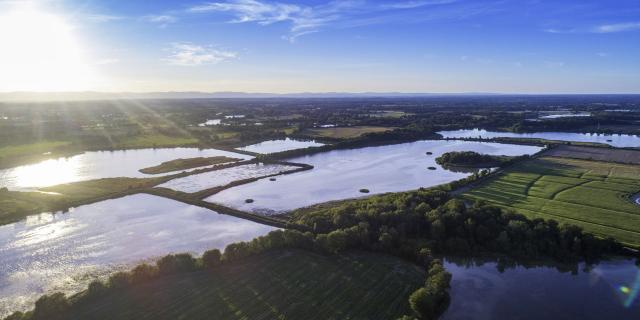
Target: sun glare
39 53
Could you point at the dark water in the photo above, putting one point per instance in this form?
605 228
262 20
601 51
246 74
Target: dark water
605 292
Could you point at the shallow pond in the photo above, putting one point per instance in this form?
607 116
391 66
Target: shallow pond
98 164
605 292
222 177
271 146
65 251
340 174
616 140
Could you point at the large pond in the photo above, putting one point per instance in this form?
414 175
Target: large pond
98 164
608 291
65 251
222 177
340 174
271 146
616 140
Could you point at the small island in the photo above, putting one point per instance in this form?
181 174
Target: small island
183 164
471 159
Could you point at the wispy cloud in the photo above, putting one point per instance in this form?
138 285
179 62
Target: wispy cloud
187 54
161 20
102 17
306 19
617 27
414 4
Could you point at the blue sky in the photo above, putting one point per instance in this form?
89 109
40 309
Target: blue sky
356 46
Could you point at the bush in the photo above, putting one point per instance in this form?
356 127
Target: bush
51 307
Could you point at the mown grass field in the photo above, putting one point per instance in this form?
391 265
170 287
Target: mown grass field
590 194
290 284
345 132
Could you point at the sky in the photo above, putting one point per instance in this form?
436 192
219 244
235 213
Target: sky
413 46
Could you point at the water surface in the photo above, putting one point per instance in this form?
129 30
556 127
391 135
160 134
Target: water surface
271 146
340 174
616 140
98 164
197 182
482 292
65 251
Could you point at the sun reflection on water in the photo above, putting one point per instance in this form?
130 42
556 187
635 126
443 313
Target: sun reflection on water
49 172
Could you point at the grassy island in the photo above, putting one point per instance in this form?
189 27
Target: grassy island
183 164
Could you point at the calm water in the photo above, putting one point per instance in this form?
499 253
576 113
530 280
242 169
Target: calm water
65 251
617 140
98 164
222 177
272 146
211 122
556 115
340 174
482 292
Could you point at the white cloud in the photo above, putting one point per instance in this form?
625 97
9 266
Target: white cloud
162 20
617 27
187 54
107 61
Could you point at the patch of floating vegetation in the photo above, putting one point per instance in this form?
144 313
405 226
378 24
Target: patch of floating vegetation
272 179
248 200
364 190
429 153
432 168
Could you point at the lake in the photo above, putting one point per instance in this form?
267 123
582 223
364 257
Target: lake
222 177
65 251
340 174
617 140
98 164
271 146
482 292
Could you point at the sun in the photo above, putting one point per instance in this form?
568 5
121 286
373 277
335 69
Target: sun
40 53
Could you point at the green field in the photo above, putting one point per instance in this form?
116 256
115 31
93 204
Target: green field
282 284
345 132
590 194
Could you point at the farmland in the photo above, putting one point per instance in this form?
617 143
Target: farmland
591 194
345 132
284 284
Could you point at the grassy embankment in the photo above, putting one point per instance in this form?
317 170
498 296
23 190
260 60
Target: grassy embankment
591 194
183 164
280 284
15 205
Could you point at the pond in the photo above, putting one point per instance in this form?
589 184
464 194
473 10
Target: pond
222 177
271 146
605 292
210 122
340 174
65 251
98 164
616 140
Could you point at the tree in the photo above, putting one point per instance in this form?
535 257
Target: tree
212 258
51 306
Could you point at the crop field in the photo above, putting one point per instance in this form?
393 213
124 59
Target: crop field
591 194
345 132
600 154
289 284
